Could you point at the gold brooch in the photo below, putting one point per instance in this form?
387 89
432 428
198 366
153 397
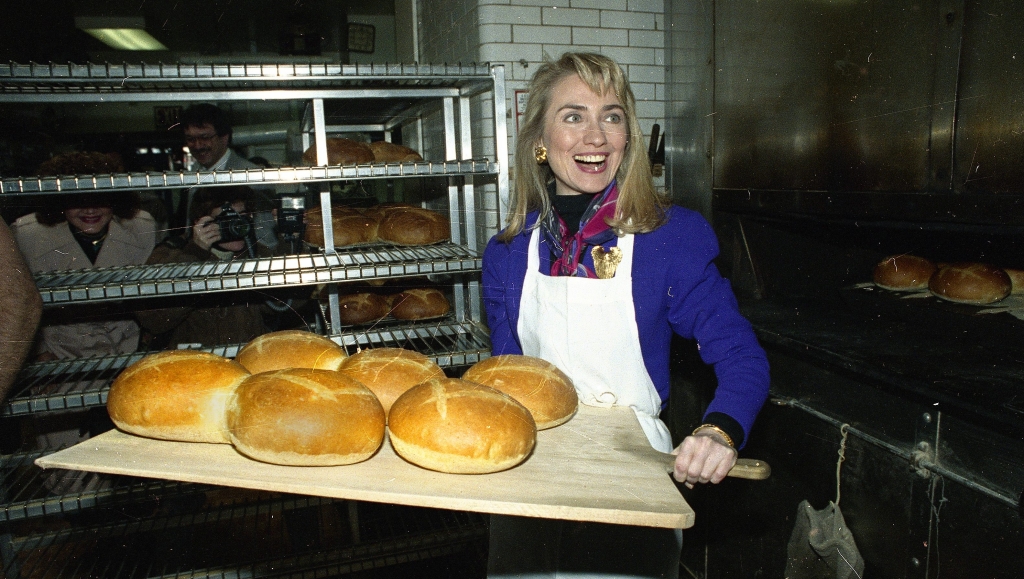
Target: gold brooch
606 262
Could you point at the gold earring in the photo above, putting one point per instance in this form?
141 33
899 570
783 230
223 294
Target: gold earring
541 154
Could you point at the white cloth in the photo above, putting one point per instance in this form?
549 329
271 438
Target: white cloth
588 329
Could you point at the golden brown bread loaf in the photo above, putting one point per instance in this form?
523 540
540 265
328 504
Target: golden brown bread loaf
970 283
385 152
361 308
537 384
903 272
389 372
419 304
1016 280
290 349
177 395
377 211
457 426
413 226
340 152
349 227
305 417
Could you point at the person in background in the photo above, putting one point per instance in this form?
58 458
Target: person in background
207 134
81 231
20 309
594 272
214 319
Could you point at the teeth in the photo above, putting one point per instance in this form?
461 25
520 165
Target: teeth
589 158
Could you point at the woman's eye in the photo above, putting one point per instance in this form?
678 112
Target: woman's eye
572 118
614 118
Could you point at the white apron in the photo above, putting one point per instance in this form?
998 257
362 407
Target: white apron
587 327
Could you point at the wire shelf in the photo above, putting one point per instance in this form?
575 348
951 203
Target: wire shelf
78 384
147 281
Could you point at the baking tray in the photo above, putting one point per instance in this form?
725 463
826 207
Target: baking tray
597 467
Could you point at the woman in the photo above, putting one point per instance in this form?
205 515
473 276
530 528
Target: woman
85 231
594 273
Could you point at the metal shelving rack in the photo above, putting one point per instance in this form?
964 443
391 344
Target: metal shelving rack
390 96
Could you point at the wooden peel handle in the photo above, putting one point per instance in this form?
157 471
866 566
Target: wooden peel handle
748 468
751 469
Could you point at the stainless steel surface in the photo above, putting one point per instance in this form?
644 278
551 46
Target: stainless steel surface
846 96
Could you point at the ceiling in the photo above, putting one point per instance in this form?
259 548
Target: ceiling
44 30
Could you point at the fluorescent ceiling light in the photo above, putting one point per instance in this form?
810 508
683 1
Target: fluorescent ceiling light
120 33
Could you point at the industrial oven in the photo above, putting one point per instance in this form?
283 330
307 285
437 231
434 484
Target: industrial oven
819 138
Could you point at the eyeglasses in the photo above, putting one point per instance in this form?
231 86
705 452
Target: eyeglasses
197 139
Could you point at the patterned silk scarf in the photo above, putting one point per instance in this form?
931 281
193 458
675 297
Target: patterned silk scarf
568 250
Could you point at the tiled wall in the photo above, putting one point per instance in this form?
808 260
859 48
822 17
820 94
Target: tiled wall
522 33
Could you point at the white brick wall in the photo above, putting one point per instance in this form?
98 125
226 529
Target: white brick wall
523 33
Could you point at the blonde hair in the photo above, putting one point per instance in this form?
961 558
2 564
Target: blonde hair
640 208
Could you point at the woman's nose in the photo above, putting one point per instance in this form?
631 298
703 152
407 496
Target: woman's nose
594 134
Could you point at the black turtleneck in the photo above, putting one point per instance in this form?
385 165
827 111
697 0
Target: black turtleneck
90 243
571 208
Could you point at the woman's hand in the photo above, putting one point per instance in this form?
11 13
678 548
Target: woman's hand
703 457
205 232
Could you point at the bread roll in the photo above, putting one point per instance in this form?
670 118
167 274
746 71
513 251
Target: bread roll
903 272
413 226
537 384
305 417
340 152
385 152
349 227
379 210
361 308
389 372
970 283
1016 280
456 426
176 395
419 304
290 349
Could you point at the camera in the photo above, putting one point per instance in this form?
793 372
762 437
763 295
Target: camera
232 224
290 212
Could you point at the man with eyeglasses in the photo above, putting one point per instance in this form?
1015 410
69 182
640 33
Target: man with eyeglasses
208 138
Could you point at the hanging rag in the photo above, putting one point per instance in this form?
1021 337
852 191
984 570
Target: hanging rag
822 546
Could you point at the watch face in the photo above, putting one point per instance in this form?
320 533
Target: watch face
360 37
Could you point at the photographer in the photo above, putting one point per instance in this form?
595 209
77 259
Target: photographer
223 230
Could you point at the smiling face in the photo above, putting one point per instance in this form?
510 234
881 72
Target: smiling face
205 144
89 220
585 134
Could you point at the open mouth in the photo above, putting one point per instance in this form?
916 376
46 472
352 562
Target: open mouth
591 162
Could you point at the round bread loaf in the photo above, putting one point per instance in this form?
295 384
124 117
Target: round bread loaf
340 152
290 349
385 152
457 426
970 283
413 226
419 304
903 272
389 372
361 308
349 227
1016 280
537 384
177 395
377 211
305 417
